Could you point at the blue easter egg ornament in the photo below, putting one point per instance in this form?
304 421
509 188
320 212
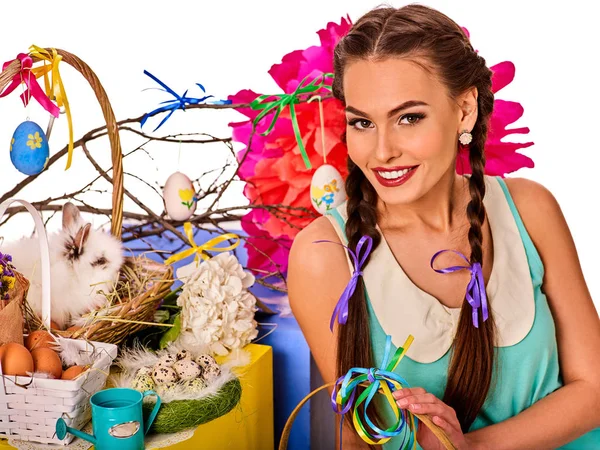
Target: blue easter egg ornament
29 151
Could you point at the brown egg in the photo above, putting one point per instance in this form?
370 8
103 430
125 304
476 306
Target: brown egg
39 339
73 372
54 326
16 359
47 361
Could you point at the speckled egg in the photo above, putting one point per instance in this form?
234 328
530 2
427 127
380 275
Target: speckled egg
187 369
211 372
195 386
167 389
183 354
179 196
164 374
205 360
144 371
29 151
143 382
327 190
166 360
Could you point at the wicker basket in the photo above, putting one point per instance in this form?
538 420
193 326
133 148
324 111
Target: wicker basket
140 306
30 407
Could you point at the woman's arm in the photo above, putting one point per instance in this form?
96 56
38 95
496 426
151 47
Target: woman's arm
317 275
573 409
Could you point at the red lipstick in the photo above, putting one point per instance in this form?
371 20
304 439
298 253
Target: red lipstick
393 182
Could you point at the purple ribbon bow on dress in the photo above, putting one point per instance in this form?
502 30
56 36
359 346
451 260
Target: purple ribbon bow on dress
475 295
359 258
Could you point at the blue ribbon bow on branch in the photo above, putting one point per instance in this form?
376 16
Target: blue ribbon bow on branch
179 102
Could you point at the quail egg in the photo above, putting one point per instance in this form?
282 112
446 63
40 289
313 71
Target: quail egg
195 386
164 375
183 354
211 372
205 360
144 371
187 369
143 382
166 360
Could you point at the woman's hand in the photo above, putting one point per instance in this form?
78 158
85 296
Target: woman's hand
419 401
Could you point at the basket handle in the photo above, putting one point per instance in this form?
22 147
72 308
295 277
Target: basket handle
111 127
44 254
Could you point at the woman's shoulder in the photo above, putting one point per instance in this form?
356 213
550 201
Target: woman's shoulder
312 257
531 198
539 210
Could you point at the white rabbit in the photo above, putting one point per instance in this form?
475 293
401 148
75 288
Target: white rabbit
82 262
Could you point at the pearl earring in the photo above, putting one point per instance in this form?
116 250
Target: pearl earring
465 138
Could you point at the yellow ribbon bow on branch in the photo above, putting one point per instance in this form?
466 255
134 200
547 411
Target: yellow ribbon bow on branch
208 246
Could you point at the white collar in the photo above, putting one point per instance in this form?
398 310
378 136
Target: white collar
402 308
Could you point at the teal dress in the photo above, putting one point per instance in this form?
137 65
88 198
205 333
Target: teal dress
528 369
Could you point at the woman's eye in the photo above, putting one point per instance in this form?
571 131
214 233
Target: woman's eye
411 119
360 124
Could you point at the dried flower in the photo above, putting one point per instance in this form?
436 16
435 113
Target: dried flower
7 275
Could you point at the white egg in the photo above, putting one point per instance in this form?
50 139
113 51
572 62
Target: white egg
327 189
179 196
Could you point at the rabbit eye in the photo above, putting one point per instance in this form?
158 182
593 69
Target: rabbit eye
72 252
100 262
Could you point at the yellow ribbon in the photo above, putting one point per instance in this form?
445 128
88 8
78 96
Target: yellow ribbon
208 246
55 89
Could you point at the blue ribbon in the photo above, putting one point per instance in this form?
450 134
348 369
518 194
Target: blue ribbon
179 102
475 295
341 308
382 379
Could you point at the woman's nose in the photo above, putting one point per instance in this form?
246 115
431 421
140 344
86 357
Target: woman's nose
387 149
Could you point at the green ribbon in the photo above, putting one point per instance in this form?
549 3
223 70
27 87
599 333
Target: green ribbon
284 100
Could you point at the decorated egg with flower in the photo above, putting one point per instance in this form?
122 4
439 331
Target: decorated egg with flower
327 189
29 150
179 196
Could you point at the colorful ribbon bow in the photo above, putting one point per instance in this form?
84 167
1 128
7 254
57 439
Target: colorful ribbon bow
55 89
475 294
385 380
208 246
179 102
33 88
341 308
284 100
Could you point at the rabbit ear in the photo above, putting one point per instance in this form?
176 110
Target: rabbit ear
82 236
71 217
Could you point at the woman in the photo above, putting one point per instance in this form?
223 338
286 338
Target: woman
521 373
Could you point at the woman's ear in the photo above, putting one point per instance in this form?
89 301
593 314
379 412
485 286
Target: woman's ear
468 110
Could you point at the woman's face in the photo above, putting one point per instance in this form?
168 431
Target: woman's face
403 127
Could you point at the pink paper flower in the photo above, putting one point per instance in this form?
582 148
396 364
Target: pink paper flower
273 169
275 172
501 157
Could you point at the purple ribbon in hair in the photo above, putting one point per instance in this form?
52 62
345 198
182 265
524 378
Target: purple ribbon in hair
475 295
359 258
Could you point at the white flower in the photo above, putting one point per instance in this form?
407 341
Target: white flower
217 311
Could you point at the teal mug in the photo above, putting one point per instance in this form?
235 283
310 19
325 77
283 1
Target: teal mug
117 420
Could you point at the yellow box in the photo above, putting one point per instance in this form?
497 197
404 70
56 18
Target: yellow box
249 426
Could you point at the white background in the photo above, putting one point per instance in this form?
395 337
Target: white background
230 45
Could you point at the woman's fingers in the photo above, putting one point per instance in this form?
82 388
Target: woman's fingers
401 393
421 397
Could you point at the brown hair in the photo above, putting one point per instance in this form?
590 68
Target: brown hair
419 32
